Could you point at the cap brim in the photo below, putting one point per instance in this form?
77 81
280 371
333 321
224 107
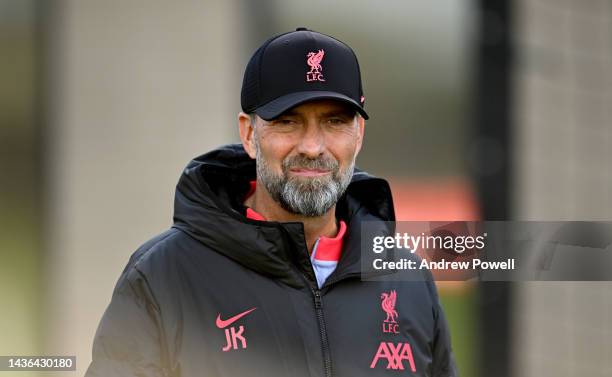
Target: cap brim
278 106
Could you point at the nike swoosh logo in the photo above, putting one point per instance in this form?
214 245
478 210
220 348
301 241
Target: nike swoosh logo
224 323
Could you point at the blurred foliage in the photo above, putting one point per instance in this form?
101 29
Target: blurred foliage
461 313
20 265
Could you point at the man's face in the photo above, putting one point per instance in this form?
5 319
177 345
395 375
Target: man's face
305 157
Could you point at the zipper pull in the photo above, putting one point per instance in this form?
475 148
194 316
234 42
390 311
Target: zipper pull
317 298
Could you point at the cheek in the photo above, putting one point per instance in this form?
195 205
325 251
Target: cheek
345 150
274 150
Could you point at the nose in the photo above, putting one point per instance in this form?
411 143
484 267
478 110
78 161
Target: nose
312 142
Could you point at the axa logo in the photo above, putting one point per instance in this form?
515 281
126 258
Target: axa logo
314 61
388 300
395 354
233 336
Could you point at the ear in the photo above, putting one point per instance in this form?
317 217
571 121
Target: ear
360 133
247 134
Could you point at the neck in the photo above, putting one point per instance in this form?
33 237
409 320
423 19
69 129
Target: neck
314 227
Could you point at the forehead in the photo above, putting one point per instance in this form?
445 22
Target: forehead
321 107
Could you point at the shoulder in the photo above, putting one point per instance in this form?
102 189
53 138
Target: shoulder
155 256
156 245
153 270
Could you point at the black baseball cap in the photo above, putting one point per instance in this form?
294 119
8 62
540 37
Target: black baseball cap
300 66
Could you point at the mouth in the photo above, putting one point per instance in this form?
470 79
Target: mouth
303 172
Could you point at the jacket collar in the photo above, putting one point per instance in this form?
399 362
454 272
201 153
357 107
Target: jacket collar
208 206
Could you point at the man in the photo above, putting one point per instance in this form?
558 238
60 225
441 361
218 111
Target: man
260 273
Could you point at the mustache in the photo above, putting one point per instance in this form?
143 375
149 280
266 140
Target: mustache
303 162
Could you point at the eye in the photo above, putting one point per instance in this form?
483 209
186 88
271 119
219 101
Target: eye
337 121
284 121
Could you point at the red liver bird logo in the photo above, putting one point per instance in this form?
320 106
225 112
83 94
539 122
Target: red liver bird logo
388 305
314 61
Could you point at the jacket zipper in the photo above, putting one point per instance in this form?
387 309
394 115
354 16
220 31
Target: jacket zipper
323 331
316 292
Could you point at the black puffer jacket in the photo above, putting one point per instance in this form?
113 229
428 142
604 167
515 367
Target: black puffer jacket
221 295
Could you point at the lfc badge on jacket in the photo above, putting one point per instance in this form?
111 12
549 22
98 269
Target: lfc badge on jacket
389 325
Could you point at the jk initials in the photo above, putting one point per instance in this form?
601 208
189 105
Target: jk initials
395 354
231 336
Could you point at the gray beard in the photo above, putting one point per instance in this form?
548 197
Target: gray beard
310 197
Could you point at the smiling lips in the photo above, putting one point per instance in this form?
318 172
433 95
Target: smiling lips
302 172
